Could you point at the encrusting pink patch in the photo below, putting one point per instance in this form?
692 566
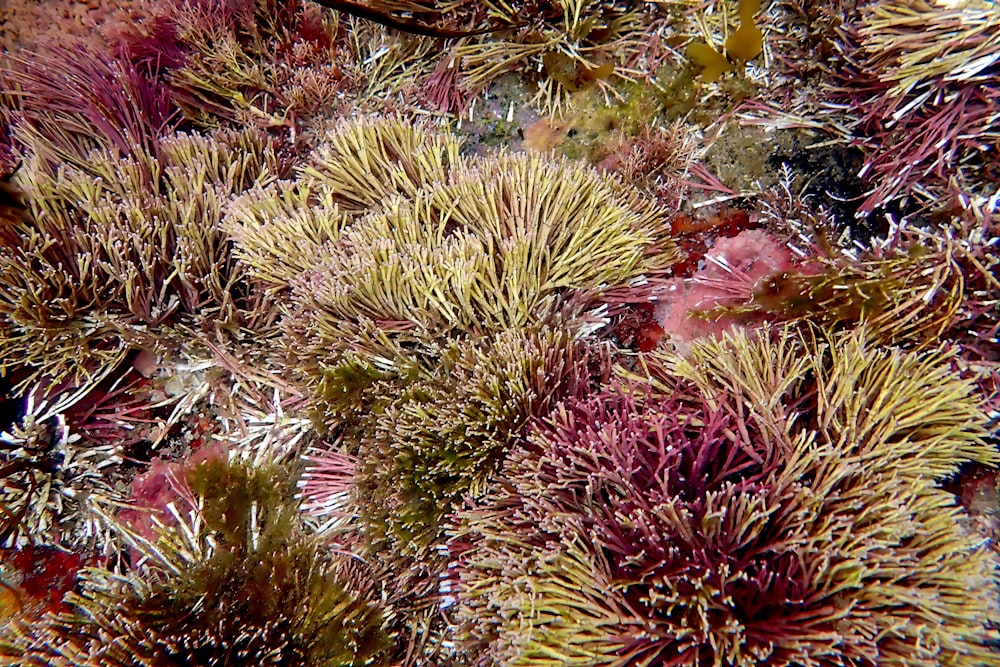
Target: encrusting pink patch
732 267
164 482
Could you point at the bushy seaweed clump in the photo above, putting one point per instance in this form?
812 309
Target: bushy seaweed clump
63 103
110 239
921 85
413 248
506 243
443 438
281 231
761 502
120 229
124 244
237 580
442 315
456 251
269 64
564 45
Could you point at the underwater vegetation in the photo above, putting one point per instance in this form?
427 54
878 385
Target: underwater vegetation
268 64
501 333
110 249
64 105
452 249
922 82
120 233
763 500
472 274
567 44
745 44
238 581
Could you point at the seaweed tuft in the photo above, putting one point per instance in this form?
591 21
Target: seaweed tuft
744 505
239 581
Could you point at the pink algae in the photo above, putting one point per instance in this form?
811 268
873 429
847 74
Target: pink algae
726 277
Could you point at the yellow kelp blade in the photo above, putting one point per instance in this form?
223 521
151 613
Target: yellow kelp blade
746 43
713 63
747 10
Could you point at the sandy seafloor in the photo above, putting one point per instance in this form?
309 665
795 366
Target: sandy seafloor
542 345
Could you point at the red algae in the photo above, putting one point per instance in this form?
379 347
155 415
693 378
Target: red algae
728 275
164 483
331 341
42 575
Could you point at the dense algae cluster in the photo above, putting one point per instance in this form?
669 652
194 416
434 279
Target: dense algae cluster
296 372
